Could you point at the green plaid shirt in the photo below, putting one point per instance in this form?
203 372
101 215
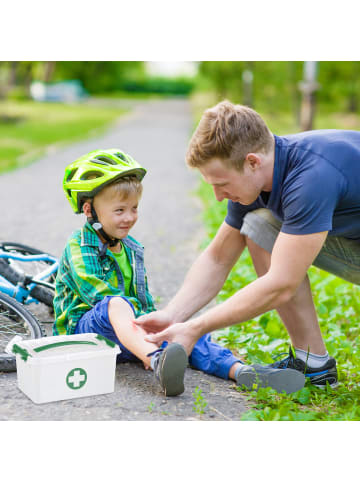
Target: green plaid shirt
85 277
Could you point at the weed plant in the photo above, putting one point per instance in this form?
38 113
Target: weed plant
200 403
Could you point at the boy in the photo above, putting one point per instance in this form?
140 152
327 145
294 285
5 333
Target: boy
102 287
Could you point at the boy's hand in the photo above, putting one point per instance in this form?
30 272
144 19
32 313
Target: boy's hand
154 322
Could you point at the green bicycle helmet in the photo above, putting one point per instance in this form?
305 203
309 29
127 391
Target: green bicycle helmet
86 176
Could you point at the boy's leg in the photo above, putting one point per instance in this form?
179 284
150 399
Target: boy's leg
216 360
121 317
97 320
169 364
212 358
113 318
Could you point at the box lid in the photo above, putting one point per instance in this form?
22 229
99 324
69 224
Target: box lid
69 346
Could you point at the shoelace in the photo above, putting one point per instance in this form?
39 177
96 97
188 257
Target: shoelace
282 363
159 350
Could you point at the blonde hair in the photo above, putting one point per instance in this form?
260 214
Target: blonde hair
228 132
122 187
125 187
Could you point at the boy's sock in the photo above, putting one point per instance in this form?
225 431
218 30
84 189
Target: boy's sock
312 360
240 366
153 359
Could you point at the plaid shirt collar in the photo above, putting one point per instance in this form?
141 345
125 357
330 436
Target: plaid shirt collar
90 238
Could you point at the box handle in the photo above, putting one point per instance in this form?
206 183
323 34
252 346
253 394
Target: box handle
63 343
16 349
106 340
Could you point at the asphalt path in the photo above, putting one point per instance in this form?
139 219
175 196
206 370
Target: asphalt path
35 212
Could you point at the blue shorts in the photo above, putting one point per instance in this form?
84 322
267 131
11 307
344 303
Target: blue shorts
206 356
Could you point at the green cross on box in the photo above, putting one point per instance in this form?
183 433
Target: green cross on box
76 378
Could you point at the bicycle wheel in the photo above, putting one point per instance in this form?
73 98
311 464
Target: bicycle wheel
15 320
14 271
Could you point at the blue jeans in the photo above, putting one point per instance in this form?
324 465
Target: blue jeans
206 356
339 256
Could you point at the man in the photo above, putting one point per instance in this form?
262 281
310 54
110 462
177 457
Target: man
293 201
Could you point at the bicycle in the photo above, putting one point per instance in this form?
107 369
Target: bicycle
15 320
20 287
34 280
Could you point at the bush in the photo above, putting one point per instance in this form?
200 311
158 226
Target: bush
160 85
18 93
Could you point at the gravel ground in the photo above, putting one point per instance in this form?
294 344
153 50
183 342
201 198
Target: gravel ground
36 212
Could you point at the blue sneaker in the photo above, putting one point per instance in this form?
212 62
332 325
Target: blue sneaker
317 376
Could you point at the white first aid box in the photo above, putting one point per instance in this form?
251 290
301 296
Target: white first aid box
67 366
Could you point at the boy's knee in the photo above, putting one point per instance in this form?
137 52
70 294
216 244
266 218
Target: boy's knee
117 305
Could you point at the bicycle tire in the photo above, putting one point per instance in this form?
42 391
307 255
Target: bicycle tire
15 320
44 295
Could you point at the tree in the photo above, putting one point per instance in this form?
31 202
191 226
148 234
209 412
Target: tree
99 76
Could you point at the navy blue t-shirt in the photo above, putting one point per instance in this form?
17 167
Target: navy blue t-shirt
316 185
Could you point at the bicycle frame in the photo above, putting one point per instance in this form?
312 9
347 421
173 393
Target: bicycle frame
21 291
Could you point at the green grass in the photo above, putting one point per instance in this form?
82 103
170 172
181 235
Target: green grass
28 128
262 339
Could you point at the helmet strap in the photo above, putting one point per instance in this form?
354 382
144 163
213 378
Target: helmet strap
95 223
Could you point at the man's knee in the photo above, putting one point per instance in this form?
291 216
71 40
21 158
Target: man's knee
261 227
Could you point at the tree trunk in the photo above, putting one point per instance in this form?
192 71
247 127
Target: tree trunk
49 69
308 88
247 78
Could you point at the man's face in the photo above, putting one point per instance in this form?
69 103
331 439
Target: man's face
228 183
116 214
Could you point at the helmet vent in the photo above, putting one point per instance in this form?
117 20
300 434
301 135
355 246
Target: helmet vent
122 157
103 160
91 175
71 175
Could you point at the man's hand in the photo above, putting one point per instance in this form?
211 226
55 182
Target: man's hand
182 333
154 322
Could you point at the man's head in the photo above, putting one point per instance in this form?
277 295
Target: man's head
234 150
228 132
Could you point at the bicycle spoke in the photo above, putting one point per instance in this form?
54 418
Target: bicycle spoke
15 320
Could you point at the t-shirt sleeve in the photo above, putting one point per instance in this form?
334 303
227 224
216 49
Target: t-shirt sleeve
309 201
236 212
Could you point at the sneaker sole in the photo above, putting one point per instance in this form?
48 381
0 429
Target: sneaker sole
173 367
287 380
323 387
321 381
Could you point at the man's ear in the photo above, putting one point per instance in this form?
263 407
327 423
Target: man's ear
87 209
253 160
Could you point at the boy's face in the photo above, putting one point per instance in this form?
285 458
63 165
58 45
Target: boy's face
116 213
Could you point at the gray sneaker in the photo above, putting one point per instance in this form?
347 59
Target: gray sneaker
287 380
169 368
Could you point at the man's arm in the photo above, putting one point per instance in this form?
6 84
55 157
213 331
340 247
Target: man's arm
291 257
203 281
